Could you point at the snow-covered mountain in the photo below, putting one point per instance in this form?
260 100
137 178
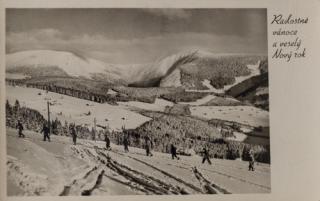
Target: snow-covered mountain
62 63
153 73
186 69
35 63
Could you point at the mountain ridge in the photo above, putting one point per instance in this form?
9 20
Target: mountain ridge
161 73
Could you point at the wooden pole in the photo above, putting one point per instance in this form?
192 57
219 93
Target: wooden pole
48 117
95 126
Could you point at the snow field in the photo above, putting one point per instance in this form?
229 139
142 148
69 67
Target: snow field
74 109
248 115
88 167
158 105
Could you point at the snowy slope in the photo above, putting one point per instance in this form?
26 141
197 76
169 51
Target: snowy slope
68 62
164 72
73 109
89 168
248 115
149 74
196 61
254 71
79 66
172 80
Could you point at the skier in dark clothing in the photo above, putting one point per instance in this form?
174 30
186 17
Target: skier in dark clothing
20 129
74 135
251 162
205 153
126 144
107 142
148 145
45 130
173 151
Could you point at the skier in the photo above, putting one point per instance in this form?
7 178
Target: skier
20 129
45 130
205 153
173 151
93 134
148 146
126 143
251 161
107 142
73 134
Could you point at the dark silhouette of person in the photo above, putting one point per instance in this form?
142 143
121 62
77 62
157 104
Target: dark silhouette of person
148 144
107 140
93 134
73 134
46 132
205 153
126 144
173 151
20 129
251 162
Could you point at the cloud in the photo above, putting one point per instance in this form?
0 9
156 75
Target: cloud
137 50
169 13
36 34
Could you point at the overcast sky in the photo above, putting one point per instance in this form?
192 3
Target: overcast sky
137 35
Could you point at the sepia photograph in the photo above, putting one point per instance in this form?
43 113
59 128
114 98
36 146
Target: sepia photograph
136 101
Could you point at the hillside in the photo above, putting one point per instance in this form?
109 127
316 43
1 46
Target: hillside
220 71
39 63
91 170
185 69
254 90
190 69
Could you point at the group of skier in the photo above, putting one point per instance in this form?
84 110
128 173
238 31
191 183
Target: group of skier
46 132
148 144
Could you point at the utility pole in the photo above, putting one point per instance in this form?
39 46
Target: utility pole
95 128
107 127
48 117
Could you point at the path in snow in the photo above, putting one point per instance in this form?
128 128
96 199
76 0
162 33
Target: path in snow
89 169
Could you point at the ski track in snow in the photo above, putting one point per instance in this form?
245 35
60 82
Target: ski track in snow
115 172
